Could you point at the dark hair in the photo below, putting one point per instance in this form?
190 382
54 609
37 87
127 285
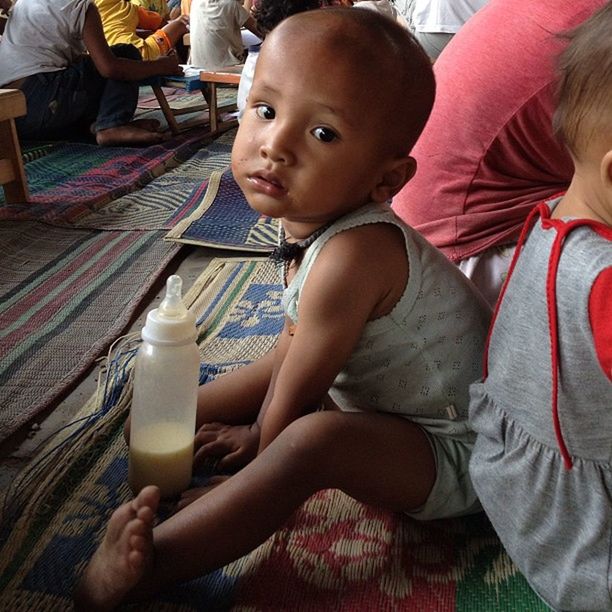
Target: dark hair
584 91
269 13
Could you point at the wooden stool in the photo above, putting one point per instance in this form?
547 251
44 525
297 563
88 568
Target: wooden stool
189 84
12 174
230 76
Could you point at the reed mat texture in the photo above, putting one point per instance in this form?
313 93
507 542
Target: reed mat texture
224 219
69 180
65 295
165 200
333 554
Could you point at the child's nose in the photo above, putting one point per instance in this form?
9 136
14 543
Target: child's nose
278 146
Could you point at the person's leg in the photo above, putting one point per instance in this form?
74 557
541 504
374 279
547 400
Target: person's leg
56 101
227 413
117 100
381 460
227 407
114 105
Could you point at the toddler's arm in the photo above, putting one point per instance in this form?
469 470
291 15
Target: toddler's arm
358 276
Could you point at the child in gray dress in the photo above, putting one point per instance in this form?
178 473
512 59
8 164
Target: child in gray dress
542 463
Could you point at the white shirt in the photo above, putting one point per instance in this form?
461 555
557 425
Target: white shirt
215 33
443 15
384 7
42 36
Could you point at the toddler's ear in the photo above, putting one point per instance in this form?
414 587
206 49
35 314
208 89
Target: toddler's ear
606 170
396 175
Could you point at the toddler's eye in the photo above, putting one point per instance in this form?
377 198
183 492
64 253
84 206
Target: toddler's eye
265 112
324 134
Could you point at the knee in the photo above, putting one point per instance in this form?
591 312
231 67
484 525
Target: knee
306 443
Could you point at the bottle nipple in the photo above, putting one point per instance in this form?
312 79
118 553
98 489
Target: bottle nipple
172 306
171 322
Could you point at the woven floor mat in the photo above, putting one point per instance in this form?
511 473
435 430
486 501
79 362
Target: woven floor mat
167 199
334 553
224 219
71 180
65 295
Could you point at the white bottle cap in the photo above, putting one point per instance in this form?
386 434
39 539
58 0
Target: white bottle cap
171 322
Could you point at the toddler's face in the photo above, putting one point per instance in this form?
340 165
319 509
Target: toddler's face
310 143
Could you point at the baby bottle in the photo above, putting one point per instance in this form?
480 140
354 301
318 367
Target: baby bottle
163 413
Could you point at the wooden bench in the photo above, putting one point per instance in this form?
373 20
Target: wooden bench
12 174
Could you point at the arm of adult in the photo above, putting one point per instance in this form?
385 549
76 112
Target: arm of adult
117 68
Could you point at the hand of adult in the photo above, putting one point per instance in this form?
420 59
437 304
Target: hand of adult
169 64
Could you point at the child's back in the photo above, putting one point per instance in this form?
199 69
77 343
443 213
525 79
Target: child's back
554 523
542 462
415 361
215 33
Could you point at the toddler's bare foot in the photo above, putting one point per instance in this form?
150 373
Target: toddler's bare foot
235 444
127 135
190 495
123 557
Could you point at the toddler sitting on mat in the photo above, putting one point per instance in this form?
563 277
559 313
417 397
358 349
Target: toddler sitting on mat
367 388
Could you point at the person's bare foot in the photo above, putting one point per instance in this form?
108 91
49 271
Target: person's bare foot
236 445
128 135
123 557
190 495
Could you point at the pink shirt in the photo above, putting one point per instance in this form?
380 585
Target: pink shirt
487 155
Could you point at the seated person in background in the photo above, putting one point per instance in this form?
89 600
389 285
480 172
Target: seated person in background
71 79
435 22
488 154
121 19
174 6
385 7
542 464
215 33
364 343
267 14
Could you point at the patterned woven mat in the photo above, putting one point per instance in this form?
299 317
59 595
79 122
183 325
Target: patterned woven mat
71 179
224 219
175 96
65 294
334 554
167 199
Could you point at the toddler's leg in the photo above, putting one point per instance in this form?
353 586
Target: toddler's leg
382 460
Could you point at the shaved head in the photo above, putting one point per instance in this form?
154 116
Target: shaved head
389 67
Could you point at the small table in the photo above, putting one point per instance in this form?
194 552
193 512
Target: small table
229 75
12 174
